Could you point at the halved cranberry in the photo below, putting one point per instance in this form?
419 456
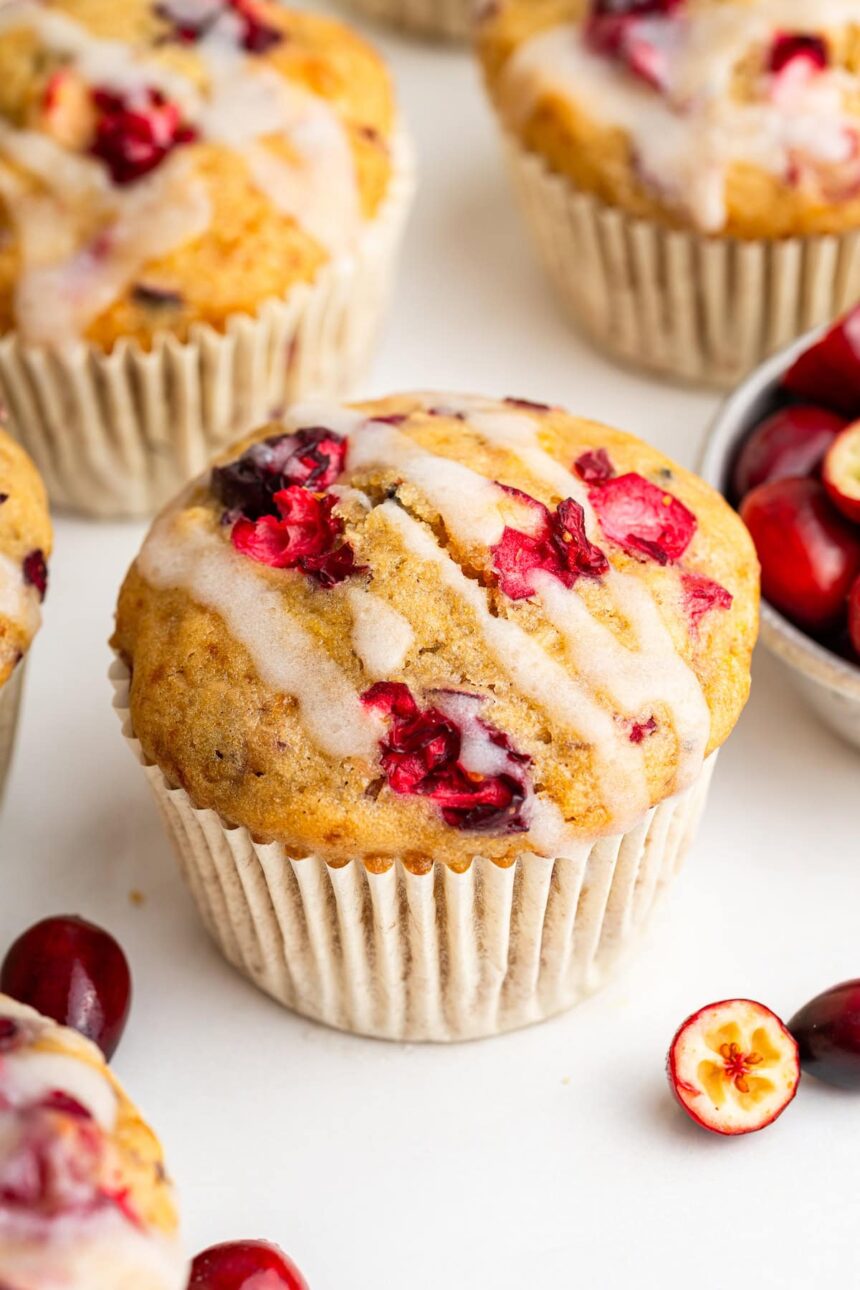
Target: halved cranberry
558 545
245 1265
75 973
789 443
701 595
793 47
643 519
305 536
841 472
312 458
421 755
135 133
809 555
828 373
35 569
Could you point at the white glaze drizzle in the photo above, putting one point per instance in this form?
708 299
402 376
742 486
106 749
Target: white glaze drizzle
381 637
28 1076
687 138
19 602
247 106
288 658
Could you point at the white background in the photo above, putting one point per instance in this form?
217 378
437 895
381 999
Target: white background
548 1159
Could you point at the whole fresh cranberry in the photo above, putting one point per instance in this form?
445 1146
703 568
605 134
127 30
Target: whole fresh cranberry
854 615
75 973
245 1265
789 443
809 555
827 1031
828 372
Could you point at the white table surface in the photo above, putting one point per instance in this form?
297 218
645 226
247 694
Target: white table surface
547 1159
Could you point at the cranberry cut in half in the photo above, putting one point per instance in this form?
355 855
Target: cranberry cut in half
841 473
245 1265
75 973
827 1031
809 554
791 443
734 1067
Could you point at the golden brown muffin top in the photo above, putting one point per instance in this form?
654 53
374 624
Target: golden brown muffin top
103 1214
737 117
173 163
435 626
25 545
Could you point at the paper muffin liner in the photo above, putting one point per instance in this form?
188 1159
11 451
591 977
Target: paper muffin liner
433 956
10 707
451 19
699 309
118 434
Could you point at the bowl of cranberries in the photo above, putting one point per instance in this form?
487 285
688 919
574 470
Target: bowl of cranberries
785 450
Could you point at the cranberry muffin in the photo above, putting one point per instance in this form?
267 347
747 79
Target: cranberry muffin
705 148
449 675
440 19
85 1203
209 194
25 545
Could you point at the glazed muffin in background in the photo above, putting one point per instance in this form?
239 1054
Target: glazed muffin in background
85 1202
438 19
429 691
691 168
200 206
25 545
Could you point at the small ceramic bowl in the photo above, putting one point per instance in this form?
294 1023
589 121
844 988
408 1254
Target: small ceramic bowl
830 684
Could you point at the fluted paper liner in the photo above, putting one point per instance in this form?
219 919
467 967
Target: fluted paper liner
10 705
119 433
435 956
451 19
700 309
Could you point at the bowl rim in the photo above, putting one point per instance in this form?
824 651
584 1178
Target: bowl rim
788 642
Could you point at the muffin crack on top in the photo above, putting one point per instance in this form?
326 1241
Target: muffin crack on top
437 623
167 164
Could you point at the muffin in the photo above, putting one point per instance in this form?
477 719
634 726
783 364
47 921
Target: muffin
200 204
450 19
85 1203
429 692
690 168
25 545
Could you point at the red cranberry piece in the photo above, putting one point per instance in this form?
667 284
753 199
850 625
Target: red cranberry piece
558 545
528 405
827 1031
75 973
135 133
53 1174
841 473
643 519
854 615
640 730
828 372
809 555
10 1034
791 47
245 1265
304 537
790 443
312 458
36 572
594 467
701 595
615 28
257 36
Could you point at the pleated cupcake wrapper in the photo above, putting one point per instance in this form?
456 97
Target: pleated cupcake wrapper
434 956
118 434
699 309
10 706
451 19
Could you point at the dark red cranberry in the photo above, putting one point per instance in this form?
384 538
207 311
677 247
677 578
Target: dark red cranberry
420 755
827 1031
10 1034
305 536
701 595
594 467
75 973
312 458
789 443
135 133
257 35
558 545
528 405
245 1265
854 615
640 730
828 373
36 572
809 555
643 519
791 46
